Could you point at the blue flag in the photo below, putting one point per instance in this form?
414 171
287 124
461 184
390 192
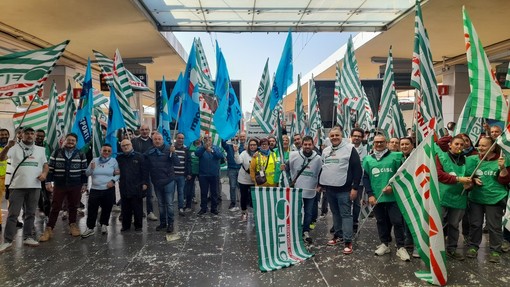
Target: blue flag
189 121
176 97
82 124
228 114
115 122
164 115
283 77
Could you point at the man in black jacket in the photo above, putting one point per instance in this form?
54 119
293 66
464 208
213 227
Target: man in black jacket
161 160
133 183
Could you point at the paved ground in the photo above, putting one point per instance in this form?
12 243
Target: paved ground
218 251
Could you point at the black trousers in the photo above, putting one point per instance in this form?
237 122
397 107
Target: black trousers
97 198
131 206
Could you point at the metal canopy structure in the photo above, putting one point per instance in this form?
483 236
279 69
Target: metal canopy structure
276 15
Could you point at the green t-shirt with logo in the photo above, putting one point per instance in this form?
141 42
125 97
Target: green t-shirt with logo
451 194
491 191
380 172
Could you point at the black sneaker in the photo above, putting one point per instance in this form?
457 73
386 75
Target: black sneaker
202 211
170 228
232 205
161 227
455 255
332 230
19 224
215 212
138 229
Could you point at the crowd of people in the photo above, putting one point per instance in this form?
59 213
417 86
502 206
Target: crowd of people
473 181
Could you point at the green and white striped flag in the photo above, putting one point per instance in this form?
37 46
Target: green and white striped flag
207 126
123 91
24 73
277 212
99 98
261 111
468 124
98 137
18 101
507 79
205 84
343 112
54 132
391 120
36 118
487 99
106 65
316 127
69 109
276 117
506 217
416 189
299 122
429 111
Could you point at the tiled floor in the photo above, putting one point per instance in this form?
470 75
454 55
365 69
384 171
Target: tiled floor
218 251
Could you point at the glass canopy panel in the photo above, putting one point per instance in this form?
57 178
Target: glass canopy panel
274 16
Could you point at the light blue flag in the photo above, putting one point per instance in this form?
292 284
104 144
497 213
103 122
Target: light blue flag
176 97
189 121
283 77
228 114
115 122
164 115
82 123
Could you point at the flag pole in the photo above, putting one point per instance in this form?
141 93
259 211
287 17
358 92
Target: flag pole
415 120
26 111
177 119
365 220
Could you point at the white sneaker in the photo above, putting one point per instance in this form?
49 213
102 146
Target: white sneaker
30 242
403 255
104 229
152 217
116 208
5 246
382 249
88 232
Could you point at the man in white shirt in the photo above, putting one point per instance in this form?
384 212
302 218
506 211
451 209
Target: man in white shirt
26 170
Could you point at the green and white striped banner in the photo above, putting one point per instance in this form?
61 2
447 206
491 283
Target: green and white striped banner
391 120
205 84
54 131
99 98
277 212
24 73
299 122
507 79
429 111
69 109
343 112
106 65
261 111
123 91
416 189
506 217
37 118
468 124
316 127
207 126
487 99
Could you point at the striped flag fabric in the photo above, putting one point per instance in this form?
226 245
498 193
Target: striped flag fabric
82 123
106 65
207 126
18 101
98 97
54 130
507 78
277 212
98 140
37 118
487 99
189 119
24 73
468 124
261 111
299 123
506 216
69 109
416 189
429 111
283 77
316 127
391 120
164 117
343 112
123 91
203 71
504 141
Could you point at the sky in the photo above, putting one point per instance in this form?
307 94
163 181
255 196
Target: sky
246 54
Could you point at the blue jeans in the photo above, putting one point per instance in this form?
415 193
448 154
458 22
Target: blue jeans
308 205
180 181
340 205
165 195
208 183
315 208
232 181
356 206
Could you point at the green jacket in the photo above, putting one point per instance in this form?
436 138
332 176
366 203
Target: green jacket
451 194
491 192
377 173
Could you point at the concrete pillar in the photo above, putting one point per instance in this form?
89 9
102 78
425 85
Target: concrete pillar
457 78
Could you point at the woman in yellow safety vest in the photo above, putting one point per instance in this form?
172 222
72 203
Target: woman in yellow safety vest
263 165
